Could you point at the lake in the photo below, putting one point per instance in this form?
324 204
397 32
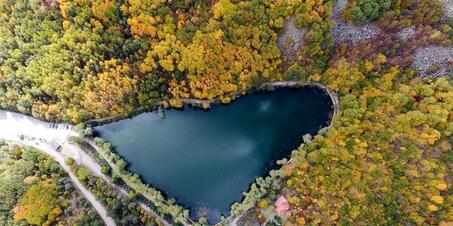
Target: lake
205 159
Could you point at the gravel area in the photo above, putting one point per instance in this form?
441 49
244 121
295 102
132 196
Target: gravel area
406 33
13 125
339 6
345 31
426 57
448 4
291 39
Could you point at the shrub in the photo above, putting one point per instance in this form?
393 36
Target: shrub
369 10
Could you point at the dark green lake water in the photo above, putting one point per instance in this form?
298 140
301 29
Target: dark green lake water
206 159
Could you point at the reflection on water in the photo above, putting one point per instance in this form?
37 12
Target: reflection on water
206 159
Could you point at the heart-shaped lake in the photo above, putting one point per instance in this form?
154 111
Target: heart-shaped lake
206 159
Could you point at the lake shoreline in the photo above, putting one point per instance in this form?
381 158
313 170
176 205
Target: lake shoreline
263 88
315 89
198 103
192 102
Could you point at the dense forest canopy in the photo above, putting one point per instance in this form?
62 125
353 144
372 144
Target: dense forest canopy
60 60
387 158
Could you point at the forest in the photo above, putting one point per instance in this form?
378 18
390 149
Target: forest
60 60
386 160
35 190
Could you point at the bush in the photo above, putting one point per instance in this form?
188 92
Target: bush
115 178
70 162
369 10
297 73
105 169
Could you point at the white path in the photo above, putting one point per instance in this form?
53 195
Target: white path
12 125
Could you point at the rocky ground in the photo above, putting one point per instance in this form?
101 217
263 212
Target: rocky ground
406 33
347 32
429 61
433 61
448 4
291 39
